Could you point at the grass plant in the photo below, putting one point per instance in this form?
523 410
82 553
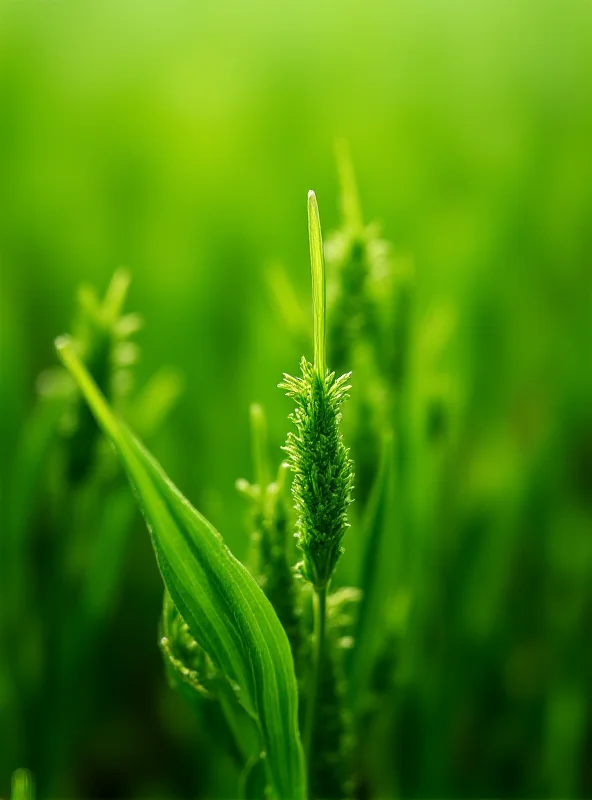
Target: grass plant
308 668
221 636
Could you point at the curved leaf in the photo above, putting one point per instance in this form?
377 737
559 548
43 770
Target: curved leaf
226 611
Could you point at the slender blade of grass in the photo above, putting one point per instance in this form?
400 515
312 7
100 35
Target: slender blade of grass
375 527
226 611
319 290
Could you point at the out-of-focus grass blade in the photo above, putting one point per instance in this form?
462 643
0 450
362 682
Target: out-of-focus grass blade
350 200
367 624
27 473
226 611
23 787
107 558
155 400
19 634
252 783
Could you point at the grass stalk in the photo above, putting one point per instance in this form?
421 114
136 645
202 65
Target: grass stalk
320 616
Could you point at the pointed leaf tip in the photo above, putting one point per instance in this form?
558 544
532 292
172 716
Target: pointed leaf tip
319 293
61 343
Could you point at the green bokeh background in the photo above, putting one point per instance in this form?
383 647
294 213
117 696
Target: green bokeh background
180 139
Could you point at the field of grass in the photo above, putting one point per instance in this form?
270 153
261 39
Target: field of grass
155 161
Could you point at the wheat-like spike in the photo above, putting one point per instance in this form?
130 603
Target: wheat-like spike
323 471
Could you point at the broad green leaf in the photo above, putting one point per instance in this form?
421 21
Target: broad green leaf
226 611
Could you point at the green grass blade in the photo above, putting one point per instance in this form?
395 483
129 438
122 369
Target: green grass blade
375 527
319 290
23 787
252 783
226 611
350 199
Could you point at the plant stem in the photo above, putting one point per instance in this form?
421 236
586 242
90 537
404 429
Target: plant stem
320 613
319 291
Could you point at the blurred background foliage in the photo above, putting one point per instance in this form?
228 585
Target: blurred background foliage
179 139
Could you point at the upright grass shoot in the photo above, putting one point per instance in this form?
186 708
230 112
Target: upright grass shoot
323 474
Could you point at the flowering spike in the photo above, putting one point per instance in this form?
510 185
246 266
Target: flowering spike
323 475
323 471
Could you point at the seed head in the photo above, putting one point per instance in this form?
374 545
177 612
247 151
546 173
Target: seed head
323 474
